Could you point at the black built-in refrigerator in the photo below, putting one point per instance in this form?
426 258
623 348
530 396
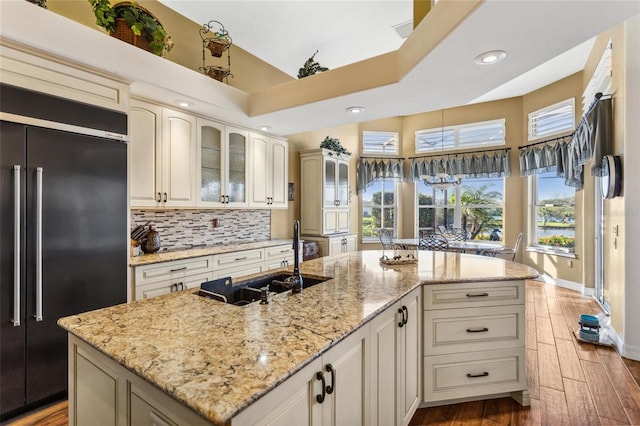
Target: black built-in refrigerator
63 236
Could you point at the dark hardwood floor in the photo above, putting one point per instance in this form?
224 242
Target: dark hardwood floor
571 383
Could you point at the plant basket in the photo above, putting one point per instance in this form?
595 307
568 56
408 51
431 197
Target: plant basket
217 73
217 46
123 32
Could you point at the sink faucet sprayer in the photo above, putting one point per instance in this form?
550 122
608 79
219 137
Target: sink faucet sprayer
296 279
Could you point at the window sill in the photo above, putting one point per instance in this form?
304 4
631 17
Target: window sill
552 252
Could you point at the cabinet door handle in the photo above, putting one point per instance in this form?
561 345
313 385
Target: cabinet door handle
159 197
320 398
181 286
338 203
165 197
477 330
241 258
16 246
472 376
405 311
178 269
38 314
227 197
477 294
401 323
329 369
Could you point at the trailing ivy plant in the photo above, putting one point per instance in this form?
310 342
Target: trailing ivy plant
311 67
140 22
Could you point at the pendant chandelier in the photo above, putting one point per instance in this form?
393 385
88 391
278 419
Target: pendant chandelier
442 180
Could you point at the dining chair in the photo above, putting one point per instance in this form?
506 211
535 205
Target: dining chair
513 251
434 242
455 234
386 239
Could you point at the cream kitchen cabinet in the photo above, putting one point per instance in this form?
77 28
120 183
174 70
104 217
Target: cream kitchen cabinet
269 172
332 390
335 244
325 192
474 341
238 263
166 277
278 257
162 156
222 172
396 362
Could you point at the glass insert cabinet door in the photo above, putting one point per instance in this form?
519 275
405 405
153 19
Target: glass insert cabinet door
330 199
343 184
237 156
211 157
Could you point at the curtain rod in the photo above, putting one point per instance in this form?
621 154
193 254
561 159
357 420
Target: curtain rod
381 158
598 96
546 141
461 153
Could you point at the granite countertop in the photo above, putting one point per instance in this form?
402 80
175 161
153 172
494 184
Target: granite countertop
217 358
169 255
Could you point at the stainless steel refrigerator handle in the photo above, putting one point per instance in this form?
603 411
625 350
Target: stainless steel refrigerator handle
16 246
38 314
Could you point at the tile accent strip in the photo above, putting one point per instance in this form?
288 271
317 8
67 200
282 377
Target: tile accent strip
181 229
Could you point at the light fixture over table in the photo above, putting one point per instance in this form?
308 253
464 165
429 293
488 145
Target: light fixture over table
442 180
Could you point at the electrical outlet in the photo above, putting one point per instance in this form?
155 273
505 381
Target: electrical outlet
570 263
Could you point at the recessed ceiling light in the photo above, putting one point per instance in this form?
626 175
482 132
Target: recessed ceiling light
490 57
184 104
265 128
355 109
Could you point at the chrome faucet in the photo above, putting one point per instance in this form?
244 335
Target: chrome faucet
295 281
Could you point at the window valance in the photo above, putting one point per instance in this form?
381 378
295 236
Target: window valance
592 139
370 169
473 164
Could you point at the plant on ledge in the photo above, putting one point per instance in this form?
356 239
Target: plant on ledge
148 33
333 144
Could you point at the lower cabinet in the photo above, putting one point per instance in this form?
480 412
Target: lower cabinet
334 244
474 341
332 390
102 392
396 362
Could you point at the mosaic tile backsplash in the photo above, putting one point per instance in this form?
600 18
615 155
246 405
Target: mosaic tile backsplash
181 229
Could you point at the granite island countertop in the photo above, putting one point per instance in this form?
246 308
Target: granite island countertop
217 358
186 253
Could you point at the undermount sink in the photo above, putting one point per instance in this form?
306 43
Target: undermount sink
248 291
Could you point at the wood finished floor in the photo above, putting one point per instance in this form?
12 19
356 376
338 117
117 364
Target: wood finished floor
571 383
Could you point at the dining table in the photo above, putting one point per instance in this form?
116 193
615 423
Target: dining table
469 246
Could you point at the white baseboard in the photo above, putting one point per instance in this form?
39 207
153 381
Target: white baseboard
631 352
571 285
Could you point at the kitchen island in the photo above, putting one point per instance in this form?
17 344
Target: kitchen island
219 360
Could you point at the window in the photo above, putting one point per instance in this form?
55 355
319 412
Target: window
473 135
552 120
380 143
379 209
477 205
554 213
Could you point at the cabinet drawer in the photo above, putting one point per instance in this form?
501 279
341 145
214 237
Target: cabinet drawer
237 258
238 271
168 270
175 284
278 252
473 374
279 263
475 329
468 295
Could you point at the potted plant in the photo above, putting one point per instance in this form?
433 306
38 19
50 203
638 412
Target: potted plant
132 24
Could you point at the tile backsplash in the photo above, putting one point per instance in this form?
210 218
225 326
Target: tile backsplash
185 228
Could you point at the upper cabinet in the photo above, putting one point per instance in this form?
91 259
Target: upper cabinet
222 165
269 172
325 192
179 160
163 156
